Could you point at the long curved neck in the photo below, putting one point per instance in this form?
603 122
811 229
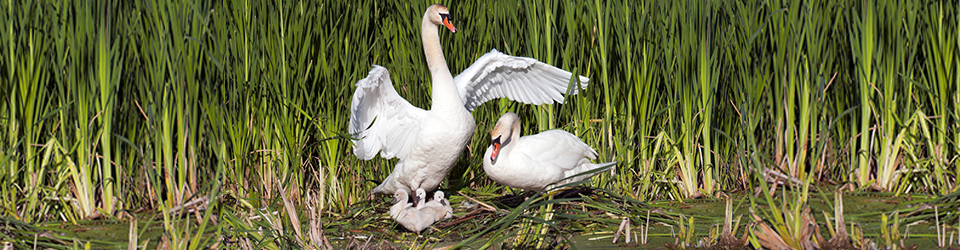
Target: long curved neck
515 132
512 138
445 93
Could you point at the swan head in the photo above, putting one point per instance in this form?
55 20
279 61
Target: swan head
439 15
421 196
502 132
400 196
438 196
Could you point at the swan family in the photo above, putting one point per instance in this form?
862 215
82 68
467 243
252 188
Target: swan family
428 142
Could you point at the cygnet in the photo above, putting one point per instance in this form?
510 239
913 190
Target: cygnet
409 216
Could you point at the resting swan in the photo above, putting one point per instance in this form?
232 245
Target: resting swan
428 142
535 161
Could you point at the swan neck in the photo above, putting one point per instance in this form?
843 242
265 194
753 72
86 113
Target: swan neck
445 93
512 136
432 49
515 131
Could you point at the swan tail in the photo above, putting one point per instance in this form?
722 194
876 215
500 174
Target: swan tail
613 169
593 166
581 173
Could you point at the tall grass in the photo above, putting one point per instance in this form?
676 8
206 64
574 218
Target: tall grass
939 78
26 108
111 107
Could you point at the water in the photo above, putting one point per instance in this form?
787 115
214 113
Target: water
864 211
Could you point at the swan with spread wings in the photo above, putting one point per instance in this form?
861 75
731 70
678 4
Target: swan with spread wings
429 142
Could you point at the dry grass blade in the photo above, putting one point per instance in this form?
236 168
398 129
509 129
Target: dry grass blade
132 236
840 240
316 231
624 224
810 229
292 214
768 237
727 237
485 205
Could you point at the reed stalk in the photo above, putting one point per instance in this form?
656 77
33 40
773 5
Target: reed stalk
941 76
115 106
863 45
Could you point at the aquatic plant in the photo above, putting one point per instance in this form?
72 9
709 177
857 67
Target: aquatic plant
227 118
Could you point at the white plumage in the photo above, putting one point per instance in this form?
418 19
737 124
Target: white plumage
532 162
439 207
429 142
495 75
409 216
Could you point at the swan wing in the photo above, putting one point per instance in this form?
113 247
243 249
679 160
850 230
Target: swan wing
555 148
522 79
381 119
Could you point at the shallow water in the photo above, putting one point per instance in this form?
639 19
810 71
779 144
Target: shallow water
864 211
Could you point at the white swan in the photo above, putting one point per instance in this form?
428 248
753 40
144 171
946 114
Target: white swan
428 142
442 202
535 161
409 216
439 206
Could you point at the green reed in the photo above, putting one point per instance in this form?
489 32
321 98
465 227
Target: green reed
27 108
111 107
941 70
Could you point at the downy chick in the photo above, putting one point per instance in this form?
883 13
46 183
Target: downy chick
409 216
439 207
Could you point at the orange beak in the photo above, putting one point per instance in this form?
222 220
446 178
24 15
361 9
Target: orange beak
446 22
496 149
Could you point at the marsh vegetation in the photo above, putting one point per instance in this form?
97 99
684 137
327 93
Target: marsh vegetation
205 123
